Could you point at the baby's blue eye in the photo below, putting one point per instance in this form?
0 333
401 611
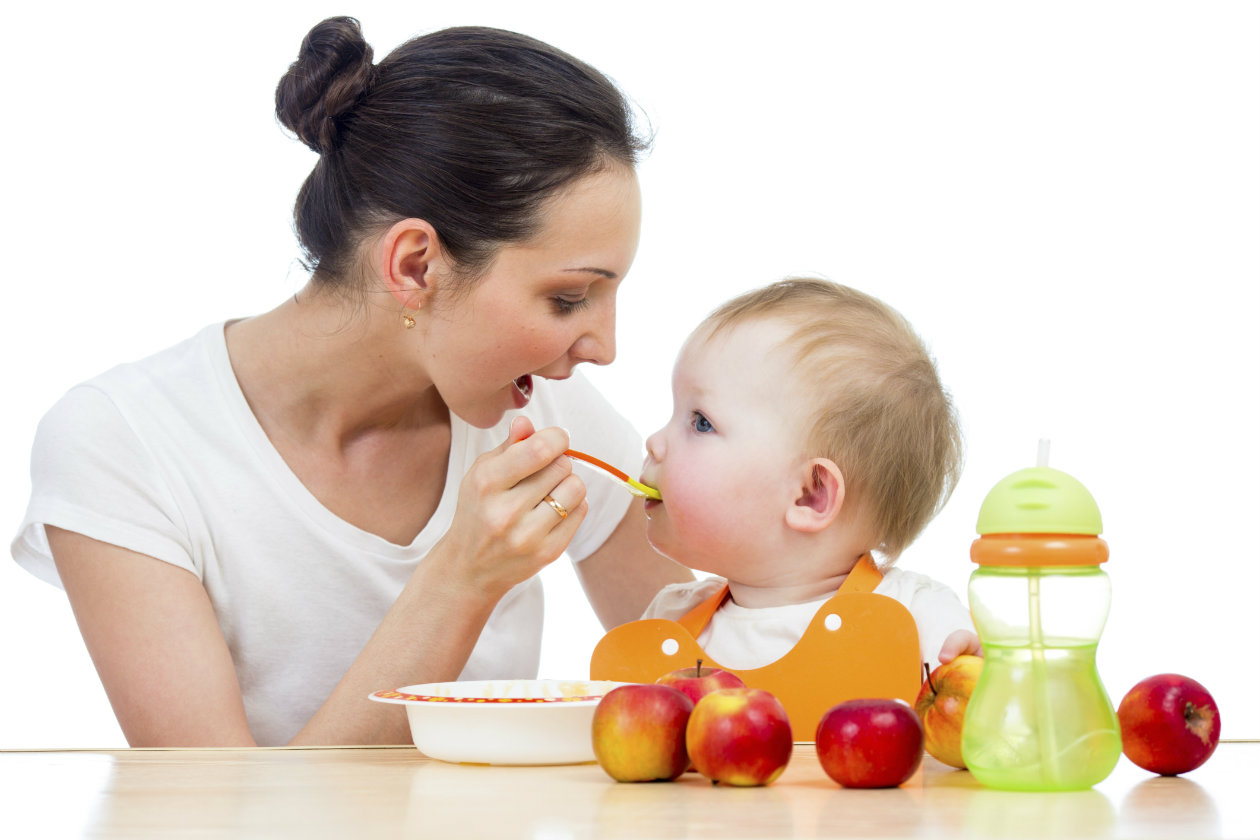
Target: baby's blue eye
700 423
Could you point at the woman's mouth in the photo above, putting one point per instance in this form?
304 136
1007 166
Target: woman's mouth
522 390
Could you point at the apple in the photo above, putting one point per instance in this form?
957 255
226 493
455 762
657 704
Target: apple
870 743
699 681
639 732
941 704
1169 724
739 736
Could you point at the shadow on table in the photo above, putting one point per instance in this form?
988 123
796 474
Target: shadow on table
1170 806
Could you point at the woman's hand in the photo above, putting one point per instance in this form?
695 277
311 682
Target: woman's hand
504 530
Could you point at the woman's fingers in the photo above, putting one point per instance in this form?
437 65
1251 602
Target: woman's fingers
561 502
520 506
554 531
526 455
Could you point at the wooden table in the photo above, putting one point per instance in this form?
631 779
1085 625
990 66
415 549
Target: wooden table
397 792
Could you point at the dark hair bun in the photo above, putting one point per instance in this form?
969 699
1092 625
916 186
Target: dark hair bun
331 74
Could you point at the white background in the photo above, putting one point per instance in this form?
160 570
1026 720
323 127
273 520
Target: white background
1063 197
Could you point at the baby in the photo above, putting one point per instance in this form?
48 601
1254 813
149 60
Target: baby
809 429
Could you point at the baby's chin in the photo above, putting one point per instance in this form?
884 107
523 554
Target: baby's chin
663 546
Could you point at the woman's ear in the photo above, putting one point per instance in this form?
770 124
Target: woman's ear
409 255
820 497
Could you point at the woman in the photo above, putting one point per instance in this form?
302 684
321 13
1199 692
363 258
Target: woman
260 526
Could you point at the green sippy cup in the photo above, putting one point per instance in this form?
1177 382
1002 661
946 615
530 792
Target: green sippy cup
1039 718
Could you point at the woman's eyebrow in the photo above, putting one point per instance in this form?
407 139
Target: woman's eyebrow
602 272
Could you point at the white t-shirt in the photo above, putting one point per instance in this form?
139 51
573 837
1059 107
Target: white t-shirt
743 638
164 457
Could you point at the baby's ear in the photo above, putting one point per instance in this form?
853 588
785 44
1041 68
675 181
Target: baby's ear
820 497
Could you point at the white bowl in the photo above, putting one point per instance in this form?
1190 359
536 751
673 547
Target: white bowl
502 721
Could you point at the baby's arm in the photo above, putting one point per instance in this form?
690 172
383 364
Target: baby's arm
958 643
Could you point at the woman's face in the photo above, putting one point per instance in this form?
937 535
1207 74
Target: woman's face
543 307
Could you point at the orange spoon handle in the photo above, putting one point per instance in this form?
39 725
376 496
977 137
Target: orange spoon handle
591 459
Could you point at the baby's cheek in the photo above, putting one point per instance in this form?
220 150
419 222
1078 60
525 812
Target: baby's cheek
699 523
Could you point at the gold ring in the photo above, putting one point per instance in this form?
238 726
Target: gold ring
556 506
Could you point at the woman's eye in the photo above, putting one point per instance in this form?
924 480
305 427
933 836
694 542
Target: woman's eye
566 305
700 423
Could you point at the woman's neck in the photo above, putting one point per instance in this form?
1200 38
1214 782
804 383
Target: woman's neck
323 371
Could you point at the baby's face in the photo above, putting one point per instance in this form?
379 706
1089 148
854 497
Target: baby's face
730 460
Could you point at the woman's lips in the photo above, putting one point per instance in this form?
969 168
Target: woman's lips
522 390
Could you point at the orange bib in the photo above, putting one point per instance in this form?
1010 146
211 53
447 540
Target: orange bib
858 644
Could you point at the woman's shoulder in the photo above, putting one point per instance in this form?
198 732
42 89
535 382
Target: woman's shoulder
184 364
593 422
133 402
575 399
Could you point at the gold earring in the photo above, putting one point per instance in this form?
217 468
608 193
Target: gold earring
408 321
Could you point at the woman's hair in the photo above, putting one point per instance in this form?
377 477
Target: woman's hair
880 410
471 129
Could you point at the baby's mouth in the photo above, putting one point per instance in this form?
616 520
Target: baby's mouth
525 385
650 502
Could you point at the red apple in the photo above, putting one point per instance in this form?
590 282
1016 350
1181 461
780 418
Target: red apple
870 743
942 703
1169 724
639 733
698 681
740 736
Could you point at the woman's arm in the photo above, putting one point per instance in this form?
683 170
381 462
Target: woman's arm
153 636
623 575
162 658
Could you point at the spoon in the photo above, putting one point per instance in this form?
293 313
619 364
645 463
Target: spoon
638 488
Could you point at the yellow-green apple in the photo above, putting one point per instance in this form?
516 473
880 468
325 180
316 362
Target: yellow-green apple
941 704
1169 724
639 732
699 681
739 736
870 743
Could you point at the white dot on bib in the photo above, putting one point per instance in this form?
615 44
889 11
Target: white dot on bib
669 647
832 622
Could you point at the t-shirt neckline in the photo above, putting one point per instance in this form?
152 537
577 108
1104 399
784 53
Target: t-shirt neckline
215 343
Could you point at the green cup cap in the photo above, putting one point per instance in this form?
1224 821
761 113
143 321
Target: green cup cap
1039 500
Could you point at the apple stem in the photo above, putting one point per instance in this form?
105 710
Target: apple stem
927 670
699 662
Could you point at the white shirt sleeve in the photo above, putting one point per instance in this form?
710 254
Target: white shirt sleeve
105 485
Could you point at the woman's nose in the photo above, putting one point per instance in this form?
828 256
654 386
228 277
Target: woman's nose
598 344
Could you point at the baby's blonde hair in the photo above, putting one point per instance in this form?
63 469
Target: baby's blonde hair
881 412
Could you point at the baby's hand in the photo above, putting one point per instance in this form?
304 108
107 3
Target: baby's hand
958 643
